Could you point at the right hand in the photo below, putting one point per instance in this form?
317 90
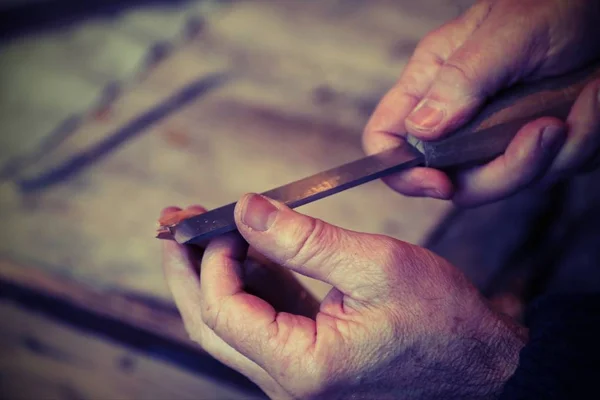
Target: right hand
456 68
398 322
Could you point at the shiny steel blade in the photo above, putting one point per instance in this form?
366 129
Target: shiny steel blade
220 220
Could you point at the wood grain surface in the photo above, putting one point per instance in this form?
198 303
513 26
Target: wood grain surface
53 326
263 93
41 358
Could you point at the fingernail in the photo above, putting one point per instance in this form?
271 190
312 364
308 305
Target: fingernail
258 213
426 116
551 137
435 193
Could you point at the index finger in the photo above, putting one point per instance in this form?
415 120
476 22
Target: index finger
246 322
386 128
180 265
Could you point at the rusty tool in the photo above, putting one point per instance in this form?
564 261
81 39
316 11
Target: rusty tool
486 136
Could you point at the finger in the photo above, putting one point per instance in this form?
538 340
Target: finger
417 77
415 182
421 182
386 127
246 322
583 141
180 267
353 262
278 286
497 55
527 157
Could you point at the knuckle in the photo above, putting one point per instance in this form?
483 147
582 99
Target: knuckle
394 256
410 88
196 337
403 261
429 41
210 315
312 240
194 330
384 270
416 78
480 11
433 49
460 75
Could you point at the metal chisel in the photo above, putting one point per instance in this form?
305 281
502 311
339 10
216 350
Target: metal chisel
482 139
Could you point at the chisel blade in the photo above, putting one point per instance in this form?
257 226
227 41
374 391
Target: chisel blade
218 221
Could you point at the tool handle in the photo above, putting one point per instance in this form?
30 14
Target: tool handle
489 133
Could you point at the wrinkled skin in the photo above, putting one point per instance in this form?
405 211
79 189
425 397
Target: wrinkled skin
400 322
457 67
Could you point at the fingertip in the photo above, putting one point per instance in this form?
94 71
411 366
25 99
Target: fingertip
581 148
242 202
585 114
537 140
240 210
552 138
169 211
421 182
527 158
375 141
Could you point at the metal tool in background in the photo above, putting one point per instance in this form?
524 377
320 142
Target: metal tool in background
482 139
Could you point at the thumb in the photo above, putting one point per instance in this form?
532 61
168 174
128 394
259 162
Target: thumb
497 55
355 263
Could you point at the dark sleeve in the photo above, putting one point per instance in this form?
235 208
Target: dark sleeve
562 357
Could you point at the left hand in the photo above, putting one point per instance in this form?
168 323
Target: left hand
457 68
399 320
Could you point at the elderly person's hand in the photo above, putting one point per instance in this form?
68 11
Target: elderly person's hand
459 66
399 321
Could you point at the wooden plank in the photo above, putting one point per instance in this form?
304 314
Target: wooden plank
43 359
145 325
143 312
